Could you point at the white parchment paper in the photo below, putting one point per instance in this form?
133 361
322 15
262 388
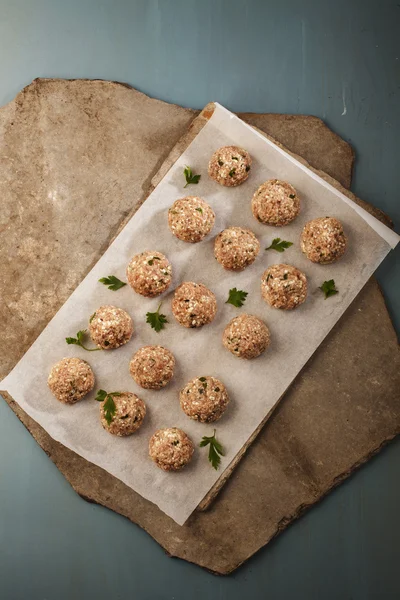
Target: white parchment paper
254 386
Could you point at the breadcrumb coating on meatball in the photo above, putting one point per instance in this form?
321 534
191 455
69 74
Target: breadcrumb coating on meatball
171 449
194 305
236 248
70 380
149 273
283 286
323 240
204 399
229 166
246 336
190 219
152 367
275 203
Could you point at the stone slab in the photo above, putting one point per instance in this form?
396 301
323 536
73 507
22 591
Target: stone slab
67 184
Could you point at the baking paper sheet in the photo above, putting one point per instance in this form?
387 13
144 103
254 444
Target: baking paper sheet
254 386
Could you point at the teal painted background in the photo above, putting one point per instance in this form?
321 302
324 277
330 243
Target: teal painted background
339 60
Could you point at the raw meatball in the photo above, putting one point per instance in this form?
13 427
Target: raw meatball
149 273
194 305
190 219
283 286
152 367
171 449
110 327
204 399
323 241
129 414
229 166
275 203
236 248
70 380
246 336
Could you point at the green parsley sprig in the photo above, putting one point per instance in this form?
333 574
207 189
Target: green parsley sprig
109 404
236 297
329 288
279 245
157 320
190 176
112 282
78 341
215 450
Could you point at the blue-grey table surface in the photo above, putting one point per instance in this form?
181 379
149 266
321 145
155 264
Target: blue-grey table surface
338 60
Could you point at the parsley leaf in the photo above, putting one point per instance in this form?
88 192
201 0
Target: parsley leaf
215 451
236 297
232 172
109 404
190 177
329 288
156 319
292 196
279 245
200 210
112 282
78 341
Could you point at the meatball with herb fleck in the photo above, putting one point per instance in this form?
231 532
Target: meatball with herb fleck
149 273
229 166
152 367
171 449
246 336
283 286
275 203
190 219
323 240
110 327
204 399
122 413
193 305
236 248
70 380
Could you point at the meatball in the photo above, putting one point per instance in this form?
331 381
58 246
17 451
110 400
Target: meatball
323 240
229 166
190 219
283 286
193 304
70 380
171 449
128 414
110 327
149 273
275 203
152 367
236 248
204 399
246 336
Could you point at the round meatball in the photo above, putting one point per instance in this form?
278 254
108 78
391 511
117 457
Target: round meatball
246 336
171 449
204 399
193 305
110 327
152 367
323 240
149 273
275 203
70 380
236 248
283 286
127 417
229 166
190 219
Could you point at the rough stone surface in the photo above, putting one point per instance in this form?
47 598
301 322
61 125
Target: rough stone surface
61 210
